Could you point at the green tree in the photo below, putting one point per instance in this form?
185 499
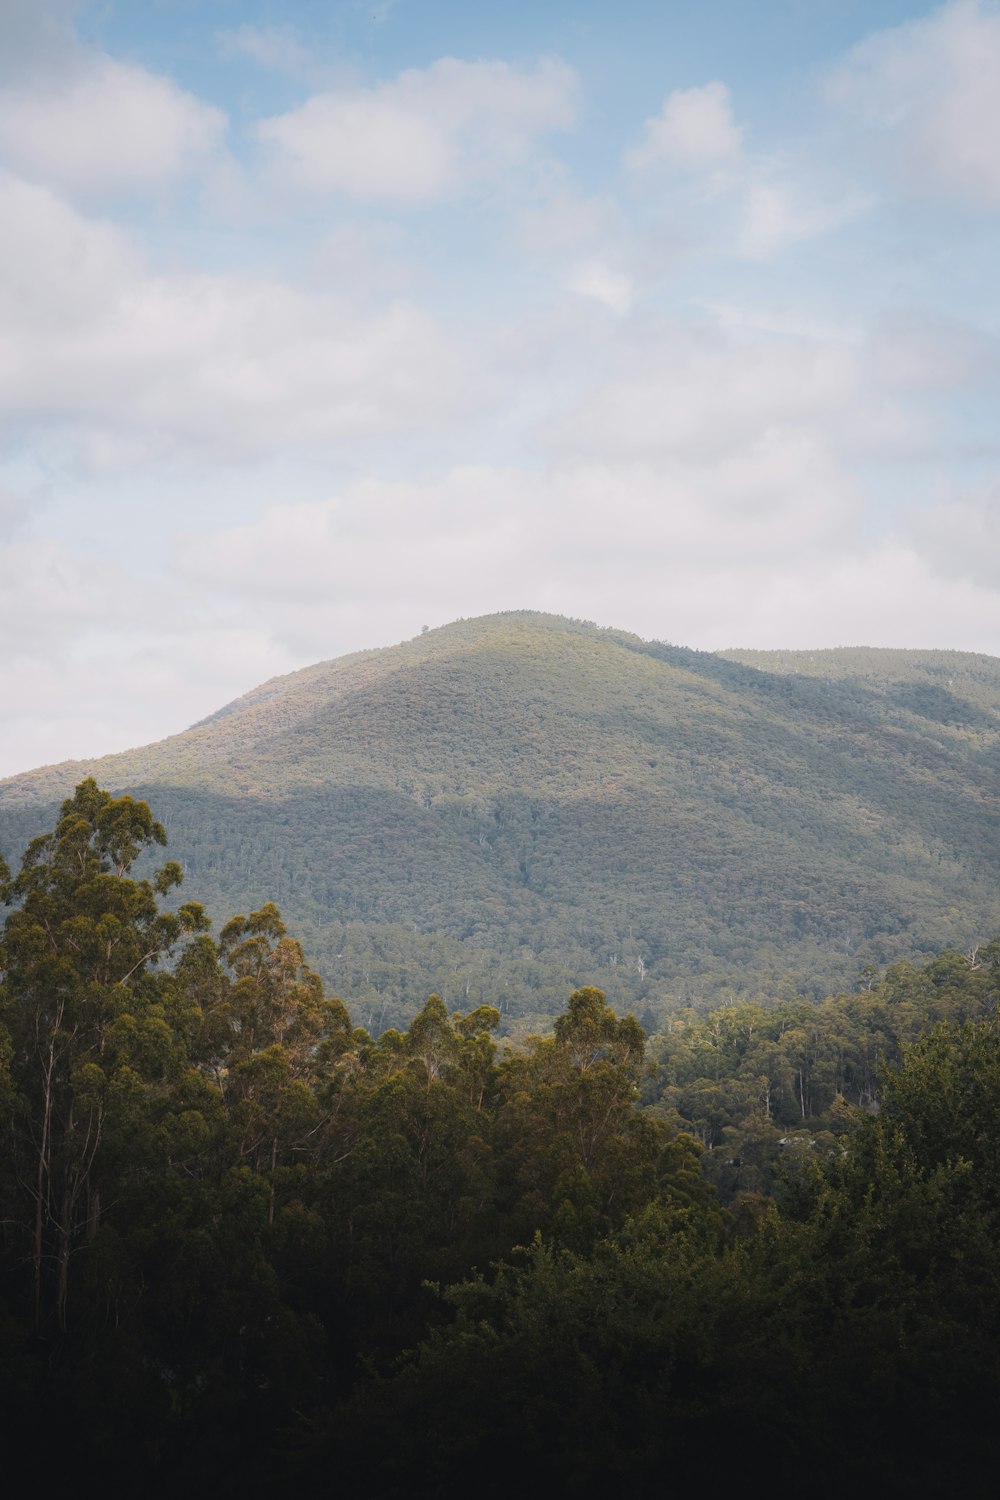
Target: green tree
275 1035
574 1154
88 1021
407 1162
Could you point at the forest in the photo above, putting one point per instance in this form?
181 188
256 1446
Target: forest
245 1242
507 808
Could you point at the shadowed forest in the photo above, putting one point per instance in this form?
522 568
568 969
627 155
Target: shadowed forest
244 1241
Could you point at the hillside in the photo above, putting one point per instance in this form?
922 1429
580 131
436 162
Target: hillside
509 806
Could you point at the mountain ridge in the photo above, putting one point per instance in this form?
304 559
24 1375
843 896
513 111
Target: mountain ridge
527 802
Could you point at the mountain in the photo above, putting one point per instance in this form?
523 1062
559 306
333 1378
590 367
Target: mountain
510 806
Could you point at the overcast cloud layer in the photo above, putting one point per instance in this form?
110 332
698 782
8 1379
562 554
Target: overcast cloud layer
316 330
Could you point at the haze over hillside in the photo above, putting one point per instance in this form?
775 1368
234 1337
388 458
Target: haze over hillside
511 805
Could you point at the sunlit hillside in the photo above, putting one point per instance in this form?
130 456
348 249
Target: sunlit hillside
511 805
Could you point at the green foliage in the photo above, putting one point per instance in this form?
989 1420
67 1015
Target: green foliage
90 1048
225 1216
508 808
216 1196
762 1087
861 1337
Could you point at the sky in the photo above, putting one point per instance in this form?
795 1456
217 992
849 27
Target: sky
323 321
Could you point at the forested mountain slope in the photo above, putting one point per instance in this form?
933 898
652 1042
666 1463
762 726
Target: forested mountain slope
510 806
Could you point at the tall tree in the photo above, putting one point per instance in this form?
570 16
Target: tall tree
88 1020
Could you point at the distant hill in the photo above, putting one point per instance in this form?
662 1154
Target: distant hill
509 806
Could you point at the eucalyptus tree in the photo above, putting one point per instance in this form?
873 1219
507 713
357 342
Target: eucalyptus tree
91 1022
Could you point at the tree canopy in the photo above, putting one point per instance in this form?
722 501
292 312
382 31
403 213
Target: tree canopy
242 1241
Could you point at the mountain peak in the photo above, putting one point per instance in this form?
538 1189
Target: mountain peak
534 802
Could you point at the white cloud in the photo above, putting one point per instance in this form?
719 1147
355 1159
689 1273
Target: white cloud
13 510
775 213
481 533
113 694
363 260
662 390
764 549
927 95
787 322
274 47
594 278
883 595
229 364
687 389
554 217
376 538
960 538
920 351
741 203
426 135
103 126
694 131
59 271
97 657
49 590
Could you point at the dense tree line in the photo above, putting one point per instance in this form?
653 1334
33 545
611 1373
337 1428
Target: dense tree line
850 1341
225 1213
218 1197
758 1084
